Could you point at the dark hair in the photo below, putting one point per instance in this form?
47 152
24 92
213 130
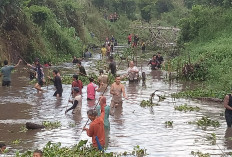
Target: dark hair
2 145
101 71
55 71
92 112
91 79
154 55
75 76
79 62
117 76
5 62
38 151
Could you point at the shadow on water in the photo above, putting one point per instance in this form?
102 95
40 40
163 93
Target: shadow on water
132 125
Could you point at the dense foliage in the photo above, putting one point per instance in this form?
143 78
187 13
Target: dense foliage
81 149
206 37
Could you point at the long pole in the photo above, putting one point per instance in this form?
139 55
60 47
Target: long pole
95 106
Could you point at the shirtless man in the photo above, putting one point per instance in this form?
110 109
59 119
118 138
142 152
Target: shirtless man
117 90
133 72
102 80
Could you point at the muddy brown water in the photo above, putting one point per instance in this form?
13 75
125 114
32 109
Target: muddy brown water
132 126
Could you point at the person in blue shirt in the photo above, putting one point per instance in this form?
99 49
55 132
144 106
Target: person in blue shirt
87 54
6 72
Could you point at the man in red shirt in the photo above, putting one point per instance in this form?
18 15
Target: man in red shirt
77 83
96 127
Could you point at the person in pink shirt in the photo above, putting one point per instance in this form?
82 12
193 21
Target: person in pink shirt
91 89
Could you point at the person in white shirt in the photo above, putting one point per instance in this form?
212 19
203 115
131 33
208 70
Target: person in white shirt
132 72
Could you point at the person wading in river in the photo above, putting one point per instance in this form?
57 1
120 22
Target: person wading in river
153 63
159 59
77 103
6 72
77 83
91 89
37 153
106 119
228 112
96 127
57 83
117 90
102 80
112 66
81 69
39 74
2 147
132 72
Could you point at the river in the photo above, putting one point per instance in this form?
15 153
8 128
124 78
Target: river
133 126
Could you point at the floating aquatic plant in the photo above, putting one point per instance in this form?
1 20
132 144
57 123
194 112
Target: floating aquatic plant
186 108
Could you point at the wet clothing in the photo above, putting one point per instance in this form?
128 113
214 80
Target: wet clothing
96 128
39 74
6 83
58 85
112 67
78 84
6 71
159 60
75 61
91 91
87 54
228 113
82 70
153 63
106 118
133 76
77 104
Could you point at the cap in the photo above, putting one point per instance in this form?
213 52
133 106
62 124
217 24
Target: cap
76 89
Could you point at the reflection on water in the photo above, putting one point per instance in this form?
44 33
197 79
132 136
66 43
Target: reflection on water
130 126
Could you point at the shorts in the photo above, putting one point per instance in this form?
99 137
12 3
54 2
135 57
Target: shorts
60 91
40 82
129 42
6 83
228 117
114 105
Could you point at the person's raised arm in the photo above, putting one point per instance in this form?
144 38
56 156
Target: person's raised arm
226 103
18 63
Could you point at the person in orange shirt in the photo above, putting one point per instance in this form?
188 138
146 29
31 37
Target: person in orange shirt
96 127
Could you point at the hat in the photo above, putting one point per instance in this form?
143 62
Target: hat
76 89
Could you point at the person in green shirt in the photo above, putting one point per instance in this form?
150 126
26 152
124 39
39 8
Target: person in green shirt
106 118
6 72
